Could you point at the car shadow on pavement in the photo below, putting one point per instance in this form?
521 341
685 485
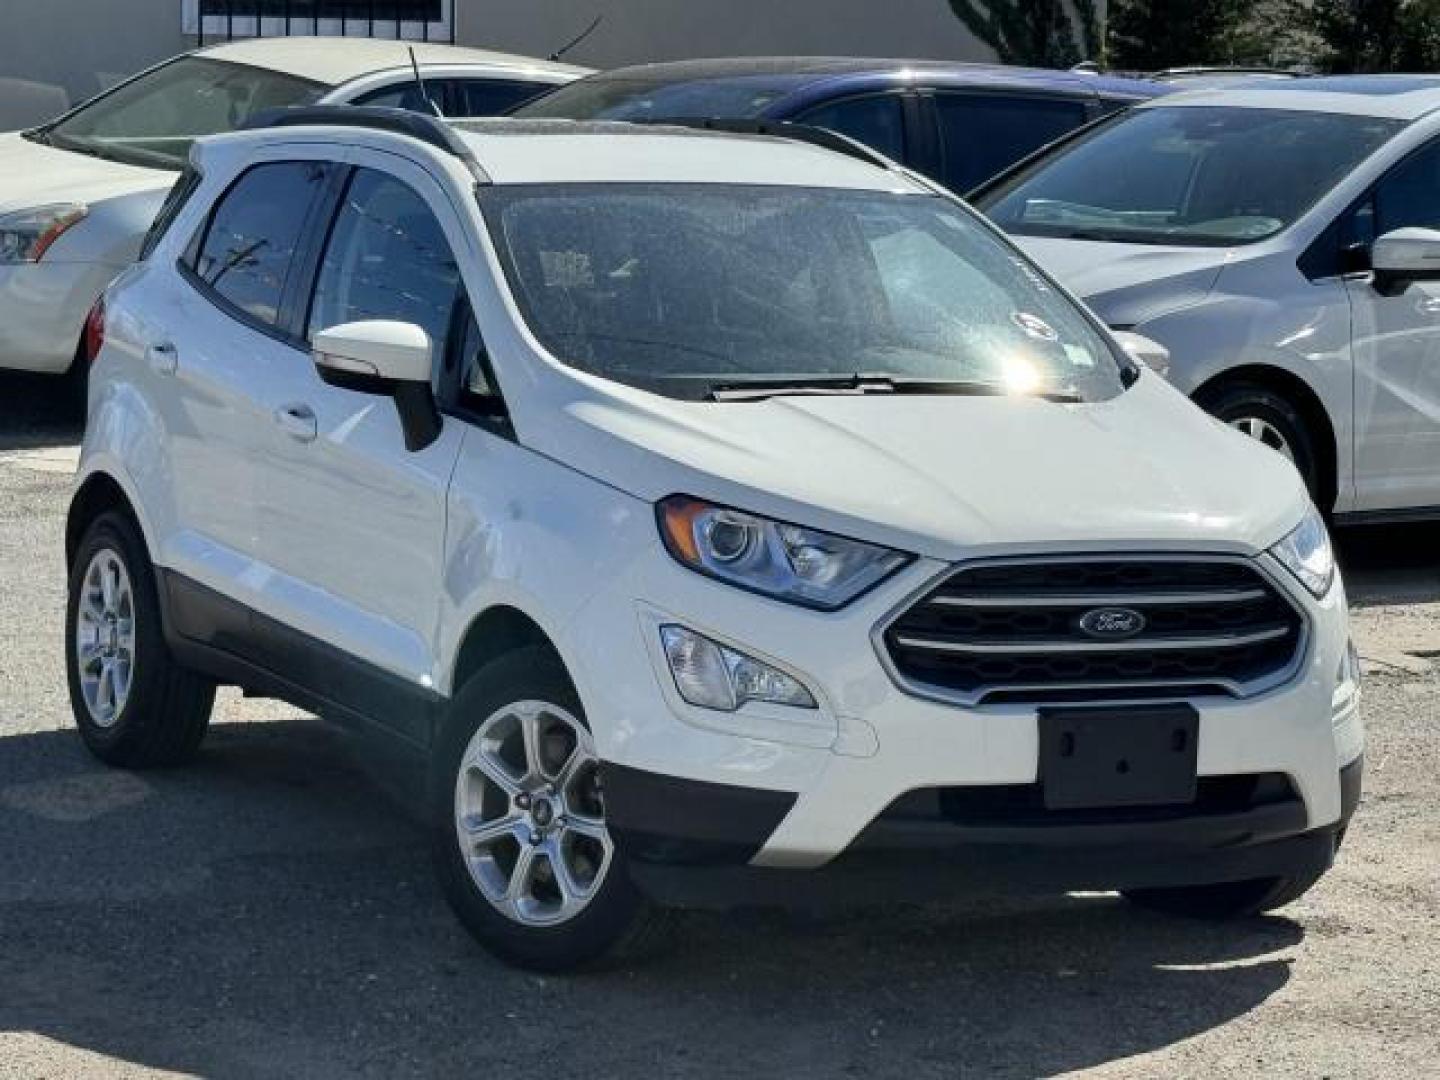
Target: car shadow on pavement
38 411
266 910
1391 564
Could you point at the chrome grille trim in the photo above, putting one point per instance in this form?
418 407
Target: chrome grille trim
1040 648
1235 596
946 595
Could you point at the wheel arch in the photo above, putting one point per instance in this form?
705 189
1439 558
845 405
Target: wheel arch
99 493
1312 409
499 629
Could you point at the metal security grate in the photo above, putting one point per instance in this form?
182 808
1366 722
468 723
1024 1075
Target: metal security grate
1046 631
352 18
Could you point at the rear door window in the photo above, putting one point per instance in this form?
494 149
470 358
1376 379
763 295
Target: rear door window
982 134
877 121
456 97
254 232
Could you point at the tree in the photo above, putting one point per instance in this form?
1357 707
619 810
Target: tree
1042 33
1376 35
1148 35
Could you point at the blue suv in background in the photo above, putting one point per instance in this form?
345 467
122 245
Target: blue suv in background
958 123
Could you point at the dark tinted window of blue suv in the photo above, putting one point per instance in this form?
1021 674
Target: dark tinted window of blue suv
981 134
876 121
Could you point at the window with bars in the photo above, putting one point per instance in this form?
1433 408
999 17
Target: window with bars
418 20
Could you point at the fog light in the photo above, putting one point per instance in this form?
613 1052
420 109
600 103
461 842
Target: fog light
712 676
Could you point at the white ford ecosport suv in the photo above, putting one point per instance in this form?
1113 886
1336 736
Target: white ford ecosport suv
702 517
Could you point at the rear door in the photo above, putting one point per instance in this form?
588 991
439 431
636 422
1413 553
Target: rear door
981 133
223 342
353 524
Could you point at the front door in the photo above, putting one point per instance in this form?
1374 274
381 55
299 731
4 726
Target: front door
1397 350
354 524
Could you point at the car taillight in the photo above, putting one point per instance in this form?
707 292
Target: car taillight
94 338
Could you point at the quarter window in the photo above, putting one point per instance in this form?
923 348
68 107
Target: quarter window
387 258
875 121
983 134
253 235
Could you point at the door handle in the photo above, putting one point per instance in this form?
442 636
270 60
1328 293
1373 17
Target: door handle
298 421
164 358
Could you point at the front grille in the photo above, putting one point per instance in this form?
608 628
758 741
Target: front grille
1012 631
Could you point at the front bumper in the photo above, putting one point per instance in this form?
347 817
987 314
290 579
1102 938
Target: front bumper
688 846
827 776
42 312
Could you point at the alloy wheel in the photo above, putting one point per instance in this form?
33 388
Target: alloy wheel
105 637
529 816
1263 431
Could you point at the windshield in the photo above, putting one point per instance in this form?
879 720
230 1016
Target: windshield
152 120
736 97
1186 175
687 290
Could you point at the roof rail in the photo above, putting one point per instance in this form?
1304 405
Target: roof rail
783 129
428 129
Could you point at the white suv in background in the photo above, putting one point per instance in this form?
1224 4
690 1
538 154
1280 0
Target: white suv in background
1282 240
698 518
77 195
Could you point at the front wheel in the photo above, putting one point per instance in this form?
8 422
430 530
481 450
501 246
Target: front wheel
1226 899
1270 419
520 840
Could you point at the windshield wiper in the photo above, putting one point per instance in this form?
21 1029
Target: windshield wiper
858 384
39 135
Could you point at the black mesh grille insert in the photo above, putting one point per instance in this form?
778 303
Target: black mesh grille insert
1039 631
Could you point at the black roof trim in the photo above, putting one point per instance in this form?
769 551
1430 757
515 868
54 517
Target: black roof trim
430 130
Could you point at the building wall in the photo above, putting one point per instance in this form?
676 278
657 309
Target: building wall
59 52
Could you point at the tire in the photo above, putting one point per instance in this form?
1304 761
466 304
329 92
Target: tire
1226 899
148 711
477 781
1272 419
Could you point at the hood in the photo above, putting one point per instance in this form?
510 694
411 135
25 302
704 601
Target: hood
947 476
32 174
1129 284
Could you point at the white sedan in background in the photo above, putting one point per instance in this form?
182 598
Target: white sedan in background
78 195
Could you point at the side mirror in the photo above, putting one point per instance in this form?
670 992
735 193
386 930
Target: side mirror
394 359
1404 256
1145 351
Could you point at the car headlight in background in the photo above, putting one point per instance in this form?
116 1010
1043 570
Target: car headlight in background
713 676
788 562
1307 554
25 235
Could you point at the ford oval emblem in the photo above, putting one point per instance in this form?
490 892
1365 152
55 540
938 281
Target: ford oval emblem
1112 623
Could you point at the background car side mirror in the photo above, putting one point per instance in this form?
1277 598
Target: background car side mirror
1144 350
383 357
1404 256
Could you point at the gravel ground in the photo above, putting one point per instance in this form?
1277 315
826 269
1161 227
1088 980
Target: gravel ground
268 911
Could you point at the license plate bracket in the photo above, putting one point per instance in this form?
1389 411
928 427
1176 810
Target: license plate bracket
1125 756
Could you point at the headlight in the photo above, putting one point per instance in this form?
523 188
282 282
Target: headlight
798 565
1307 554
26 235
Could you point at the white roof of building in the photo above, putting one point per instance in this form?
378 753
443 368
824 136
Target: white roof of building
567 151
336 60
1396 97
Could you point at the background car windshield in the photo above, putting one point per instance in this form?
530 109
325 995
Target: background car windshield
738 96
154 119
680 288
1187 175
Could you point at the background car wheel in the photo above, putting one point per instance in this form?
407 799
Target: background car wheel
519 835
1224 900
1268 418
135 706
